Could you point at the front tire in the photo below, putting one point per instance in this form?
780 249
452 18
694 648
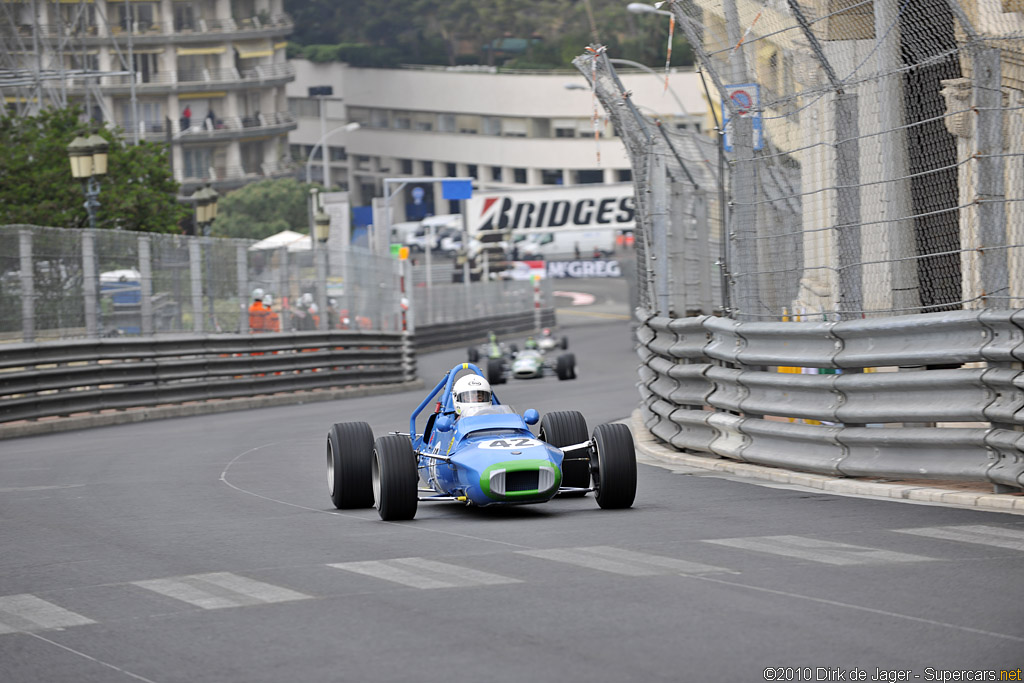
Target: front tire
564 343
565 368
349 454
568 428
614 466
394 478
495 371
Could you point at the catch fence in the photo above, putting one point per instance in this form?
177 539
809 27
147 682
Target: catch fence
866 171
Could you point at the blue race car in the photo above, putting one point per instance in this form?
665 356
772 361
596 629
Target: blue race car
476 451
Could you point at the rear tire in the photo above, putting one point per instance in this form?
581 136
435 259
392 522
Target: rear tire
473 354
614 466
349 454
495 371
394 478
565 343
568 428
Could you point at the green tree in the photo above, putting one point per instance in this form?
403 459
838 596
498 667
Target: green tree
262 209
36 187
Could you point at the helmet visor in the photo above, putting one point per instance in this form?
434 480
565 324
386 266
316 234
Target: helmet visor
473 396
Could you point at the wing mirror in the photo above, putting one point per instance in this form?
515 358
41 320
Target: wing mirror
531 417
444 422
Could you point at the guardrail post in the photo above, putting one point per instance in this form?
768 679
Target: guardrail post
89 282
195 268
28 294
146 284
242 265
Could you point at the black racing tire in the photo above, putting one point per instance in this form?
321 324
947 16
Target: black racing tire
473 354
614 466
349 454
565 367
394 478
495 371
564 343
568 428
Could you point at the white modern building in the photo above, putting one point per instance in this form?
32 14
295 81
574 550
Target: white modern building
504 129
142 65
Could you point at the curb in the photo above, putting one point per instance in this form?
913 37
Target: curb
649 445
130 416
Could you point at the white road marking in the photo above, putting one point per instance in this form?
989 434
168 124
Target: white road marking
219 590
26 612
423 573
1012 539
816 550
624 562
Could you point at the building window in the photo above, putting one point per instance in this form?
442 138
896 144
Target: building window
491 125
451 170
496 173
473 171
378 118
406 166
565 132
624 176
551 177
520 175
303 107
362 162
586 177
197 161
403 123
446 123
337 153
422 124
428 168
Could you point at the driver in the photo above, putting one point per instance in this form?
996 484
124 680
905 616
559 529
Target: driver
531 343
470 393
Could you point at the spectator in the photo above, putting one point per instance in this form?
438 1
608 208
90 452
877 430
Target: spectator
186 118
272 323
258 312
211 119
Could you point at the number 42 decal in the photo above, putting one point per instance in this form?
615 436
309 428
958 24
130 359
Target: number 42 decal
511 442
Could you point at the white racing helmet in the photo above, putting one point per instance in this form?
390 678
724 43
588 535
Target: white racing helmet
257 294
470 390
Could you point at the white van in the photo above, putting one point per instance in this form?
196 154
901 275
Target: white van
564 243
432 229
400 232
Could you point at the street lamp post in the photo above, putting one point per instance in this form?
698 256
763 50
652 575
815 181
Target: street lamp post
348 127
206 212
321 232
88 157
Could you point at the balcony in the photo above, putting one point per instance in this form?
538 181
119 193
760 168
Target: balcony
154 33
278 73
235 127
231 177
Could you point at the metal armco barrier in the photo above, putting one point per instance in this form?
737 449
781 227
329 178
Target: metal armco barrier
431 337
83 376
719 386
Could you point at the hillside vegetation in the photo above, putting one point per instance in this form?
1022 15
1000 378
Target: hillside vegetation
514 34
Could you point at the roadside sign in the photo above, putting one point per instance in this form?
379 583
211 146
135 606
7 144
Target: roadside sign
746 98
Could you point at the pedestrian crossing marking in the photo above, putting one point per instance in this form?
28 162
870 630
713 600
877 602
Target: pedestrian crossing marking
999 537
219 590
624 562
827 552
26 612
423 573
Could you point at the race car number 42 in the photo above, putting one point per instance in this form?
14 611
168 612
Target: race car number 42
513 442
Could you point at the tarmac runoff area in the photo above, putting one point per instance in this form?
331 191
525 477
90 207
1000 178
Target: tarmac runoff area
977 495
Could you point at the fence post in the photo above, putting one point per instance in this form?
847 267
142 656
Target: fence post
848 205
89 281
659 258
28 293
195 268
242 266
990 192
743 219
146 284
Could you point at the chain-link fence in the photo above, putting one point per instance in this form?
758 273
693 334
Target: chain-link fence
872 160
57 284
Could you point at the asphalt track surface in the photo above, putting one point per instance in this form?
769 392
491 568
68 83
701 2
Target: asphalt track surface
207 549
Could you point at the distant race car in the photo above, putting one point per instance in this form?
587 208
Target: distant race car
476 451
548 342
530 364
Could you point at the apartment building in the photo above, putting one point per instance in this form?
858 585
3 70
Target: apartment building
207 76
504 129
